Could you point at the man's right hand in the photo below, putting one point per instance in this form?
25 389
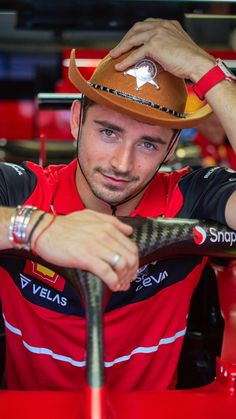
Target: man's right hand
166 42
91 241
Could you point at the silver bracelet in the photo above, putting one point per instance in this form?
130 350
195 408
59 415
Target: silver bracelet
18 226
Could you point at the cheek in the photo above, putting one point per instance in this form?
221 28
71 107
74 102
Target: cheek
90 153
146 169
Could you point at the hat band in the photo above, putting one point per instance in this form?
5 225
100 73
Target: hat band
137 99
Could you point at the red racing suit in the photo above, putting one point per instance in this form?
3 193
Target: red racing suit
144 326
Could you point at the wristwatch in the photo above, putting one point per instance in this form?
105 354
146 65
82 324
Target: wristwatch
212 77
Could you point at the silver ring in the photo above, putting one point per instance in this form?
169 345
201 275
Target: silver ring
115 260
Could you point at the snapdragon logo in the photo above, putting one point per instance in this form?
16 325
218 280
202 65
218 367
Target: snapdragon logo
215 236
222 236
199 235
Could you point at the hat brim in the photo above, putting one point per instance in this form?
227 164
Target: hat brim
133 109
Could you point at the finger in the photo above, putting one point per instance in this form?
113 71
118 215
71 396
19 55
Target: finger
104 271
118 242
122 226
138 27
139 30
132 59
131 41
117 259
114 221
112 231
123 261
125 266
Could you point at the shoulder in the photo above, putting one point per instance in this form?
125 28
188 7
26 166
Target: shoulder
206 192
19 181
205 176
171 179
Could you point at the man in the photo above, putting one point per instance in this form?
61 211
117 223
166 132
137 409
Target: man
129 125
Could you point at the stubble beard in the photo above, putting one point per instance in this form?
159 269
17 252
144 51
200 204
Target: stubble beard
110 194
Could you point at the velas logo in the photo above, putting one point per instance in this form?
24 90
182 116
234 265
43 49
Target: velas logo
41 292
199 235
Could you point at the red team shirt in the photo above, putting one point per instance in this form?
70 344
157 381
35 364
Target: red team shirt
144 326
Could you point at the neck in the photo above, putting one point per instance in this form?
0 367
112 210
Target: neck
90 201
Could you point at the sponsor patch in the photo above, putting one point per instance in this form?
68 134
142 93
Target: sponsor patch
44 274
41 292
144 279
199 236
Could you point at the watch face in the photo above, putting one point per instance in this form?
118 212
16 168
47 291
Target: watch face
226 70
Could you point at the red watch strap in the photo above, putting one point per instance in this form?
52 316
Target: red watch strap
209 80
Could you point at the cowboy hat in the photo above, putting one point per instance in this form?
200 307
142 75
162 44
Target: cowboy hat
145 92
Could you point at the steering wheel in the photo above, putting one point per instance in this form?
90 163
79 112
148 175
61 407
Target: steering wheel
156 238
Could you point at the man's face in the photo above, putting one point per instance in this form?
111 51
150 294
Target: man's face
118 155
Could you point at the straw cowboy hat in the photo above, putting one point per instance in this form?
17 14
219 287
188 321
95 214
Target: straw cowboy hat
145 92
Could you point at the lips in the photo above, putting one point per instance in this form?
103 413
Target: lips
115 181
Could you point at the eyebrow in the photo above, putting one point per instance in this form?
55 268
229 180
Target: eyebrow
110 125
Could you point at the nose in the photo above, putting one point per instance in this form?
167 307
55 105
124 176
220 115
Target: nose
122 159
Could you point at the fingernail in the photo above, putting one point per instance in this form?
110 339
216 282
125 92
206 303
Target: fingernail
119 66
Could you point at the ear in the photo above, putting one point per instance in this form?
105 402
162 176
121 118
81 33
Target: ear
75 118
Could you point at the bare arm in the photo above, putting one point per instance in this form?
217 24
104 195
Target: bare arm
5 216
230 212
222 99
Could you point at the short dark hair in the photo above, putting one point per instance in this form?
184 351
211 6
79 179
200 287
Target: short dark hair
86 104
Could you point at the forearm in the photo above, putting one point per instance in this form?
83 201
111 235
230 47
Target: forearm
5 217
6 220
230 213
86 239
222 99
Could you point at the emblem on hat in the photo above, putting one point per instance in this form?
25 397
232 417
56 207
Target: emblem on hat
145 71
